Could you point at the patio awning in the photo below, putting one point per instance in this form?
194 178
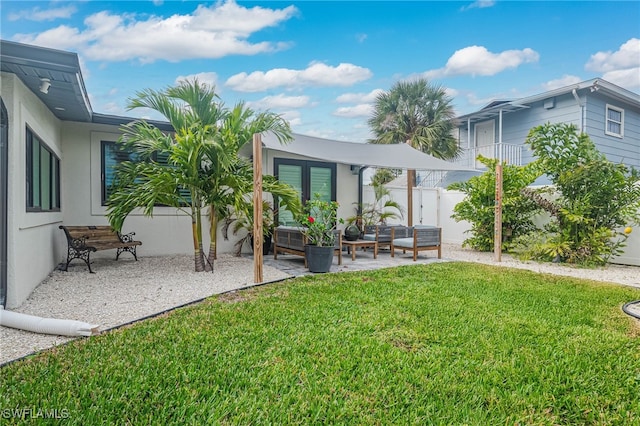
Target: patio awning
395 156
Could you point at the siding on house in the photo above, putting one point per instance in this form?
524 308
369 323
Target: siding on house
589 115
618 150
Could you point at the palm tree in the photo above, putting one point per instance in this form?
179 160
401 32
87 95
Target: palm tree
231 188
194 167
417 113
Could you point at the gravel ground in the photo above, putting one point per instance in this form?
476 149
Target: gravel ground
124 291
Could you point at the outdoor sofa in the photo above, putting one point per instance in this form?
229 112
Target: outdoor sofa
291 240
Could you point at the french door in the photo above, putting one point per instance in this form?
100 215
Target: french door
312 179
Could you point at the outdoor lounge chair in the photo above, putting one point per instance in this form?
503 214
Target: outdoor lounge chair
416 239
379 233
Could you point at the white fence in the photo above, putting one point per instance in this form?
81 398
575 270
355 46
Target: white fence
434 206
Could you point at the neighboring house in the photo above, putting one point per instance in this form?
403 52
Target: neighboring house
56 155
609 114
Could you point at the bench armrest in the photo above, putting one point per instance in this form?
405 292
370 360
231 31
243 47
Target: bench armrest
126 238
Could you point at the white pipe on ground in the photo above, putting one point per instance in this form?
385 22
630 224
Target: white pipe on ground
46 325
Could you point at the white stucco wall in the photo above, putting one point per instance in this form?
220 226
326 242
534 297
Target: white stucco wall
167 232
31 236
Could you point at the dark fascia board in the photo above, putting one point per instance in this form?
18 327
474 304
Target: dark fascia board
41 57
41 61
116 120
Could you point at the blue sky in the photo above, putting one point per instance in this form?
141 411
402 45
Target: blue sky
321 64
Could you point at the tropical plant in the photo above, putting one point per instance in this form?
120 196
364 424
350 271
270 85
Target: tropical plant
237 130
319 221
243 222
377 213
200 168
591 201
478 206
384 176
419 113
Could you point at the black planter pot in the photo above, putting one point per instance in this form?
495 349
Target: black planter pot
351 233
319 258
266 244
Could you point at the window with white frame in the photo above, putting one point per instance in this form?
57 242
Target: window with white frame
614 124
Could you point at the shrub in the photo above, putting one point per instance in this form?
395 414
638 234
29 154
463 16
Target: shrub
478 207
591 200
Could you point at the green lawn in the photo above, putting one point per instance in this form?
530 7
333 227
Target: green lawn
446 343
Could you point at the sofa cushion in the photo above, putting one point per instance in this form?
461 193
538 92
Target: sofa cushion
403 242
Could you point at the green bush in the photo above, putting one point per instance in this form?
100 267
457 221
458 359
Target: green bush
478 207
590 201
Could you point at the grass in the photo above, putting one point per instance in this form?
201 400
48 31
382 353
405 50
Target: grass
447 343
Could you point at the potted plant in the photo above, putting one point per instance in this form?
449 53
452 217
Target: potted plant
244 222
319 224
377 213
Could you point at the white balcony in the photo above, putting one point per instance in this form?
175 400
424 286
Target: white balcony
511 154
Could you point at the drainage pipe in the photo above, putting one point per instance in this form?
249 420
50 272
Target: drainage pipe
40 325
581 105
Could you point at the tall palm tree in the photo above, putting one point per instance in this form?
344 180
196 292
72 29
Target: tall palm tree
194 167
418 113
231 188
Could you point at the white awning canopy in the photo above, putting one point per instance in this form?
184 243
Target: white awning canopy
395 156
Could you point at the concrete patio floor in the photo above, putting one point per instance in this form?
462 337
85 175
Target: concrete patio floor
364 261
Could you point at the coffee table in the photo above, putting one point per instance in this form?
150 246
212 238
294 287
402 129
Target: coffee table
353 246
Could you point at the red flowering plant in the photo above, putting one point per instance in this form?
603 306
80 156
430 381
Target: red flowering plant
319 221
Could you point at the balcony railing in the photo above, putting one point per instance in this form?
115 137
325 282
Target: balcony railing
511 154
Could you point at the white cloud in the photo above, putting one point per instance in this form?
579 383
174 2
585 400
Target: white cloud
477 60
628 56
361 37
480 4
629 78
362 110
316 74
621 67
565 80
209 78
352 98
209 32
280 101
49 14
293 117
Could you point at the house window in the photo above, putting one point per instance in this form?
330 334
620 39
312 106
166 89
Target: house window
111 155
43 176
614 125
309 178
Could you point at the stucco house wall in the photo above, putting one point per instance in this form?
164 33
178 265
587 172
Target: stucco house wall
31 235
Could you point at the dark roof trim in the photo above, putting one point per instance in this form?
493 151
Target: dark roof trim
116 120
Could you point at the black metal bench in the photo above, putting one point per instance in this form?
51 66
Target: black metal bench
82 240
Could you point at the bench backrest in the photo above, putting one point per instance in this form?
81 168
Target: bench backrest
402 232
93 233
427 236
292 237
